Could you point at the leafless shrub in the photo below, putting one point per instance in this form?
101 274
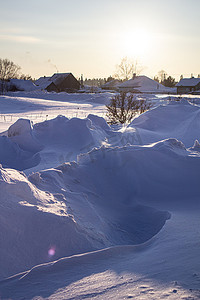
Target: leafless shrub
124 107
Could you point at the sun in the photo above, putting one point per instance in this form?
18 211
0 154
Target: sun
136 43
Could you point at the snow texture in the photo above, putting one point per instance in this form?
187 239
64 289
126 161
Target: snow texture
99 211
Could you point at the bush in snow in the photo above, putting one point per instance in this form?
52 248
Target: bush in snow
123 107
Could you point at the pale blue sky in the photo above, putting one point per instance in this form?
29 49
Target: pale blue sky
90 37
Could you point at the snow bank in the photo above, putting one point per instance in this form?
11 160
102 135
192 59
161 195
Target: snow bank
55 141
12 156
35 225
112 196
21 133
64 139
98 98
178 119
74 132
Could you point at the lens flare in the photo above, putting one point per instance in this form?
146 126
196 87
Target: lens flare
52 251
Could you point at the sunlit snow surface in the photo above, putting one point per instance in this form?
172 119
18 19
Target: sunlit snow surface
116 208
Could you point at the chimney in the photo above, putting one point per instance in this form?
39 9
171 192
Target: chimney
134 75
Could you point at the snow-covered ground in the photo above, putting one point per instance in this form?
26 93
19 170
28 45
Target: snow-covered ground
90 211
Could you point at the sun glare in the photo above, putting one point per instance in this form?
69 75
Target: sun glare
137 43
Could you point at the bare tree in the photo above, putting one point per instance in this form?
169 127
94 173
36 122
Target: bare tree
127 68
162 75
8 70
123 107
25 77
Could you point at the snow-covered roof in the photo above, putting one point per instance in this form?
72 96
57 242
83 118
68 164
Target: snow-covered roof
59 76
23 85
188 82
111 84
44 82
144 84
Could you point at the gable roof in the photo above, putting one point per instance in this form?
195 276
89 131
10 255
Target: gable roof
188 82
111 84
58 77
44 82
144 84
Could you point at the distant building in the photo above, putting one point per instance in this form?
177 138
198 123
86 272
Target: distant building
21 85
188 85
144 84
111 85
59 82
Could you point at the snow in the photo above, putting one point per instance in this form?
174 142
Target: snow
178 119
113 84
23 85
144 84
188 82
94 211
44 82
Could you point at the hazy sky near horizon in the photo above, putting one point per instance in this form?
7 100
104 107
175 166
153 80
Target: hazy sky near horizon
90 37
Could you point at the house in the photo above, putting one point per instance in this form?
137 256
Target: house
111 85
21 85
188 85
144 84
59 82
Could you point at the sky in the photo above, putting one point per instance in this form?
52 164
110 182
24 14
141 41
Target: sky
91 37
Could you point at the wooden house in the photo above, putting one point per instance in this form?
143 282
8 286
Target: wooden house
188 85
59 82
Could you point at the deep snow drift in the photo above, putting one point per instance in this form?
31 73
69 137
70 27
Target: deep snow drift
52 142
178 119
136 186
107 199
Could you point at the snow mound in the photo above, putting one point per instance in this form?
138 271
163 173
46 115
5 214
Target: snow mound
74 132
21 133
196 146
171 145
99 122
12 156
178 119
35 225
112 196
54 141
63 139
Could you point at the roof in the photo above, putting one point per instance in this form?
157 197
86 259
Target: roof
111 84
58 77
144 84
23 85
188 82
44 82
